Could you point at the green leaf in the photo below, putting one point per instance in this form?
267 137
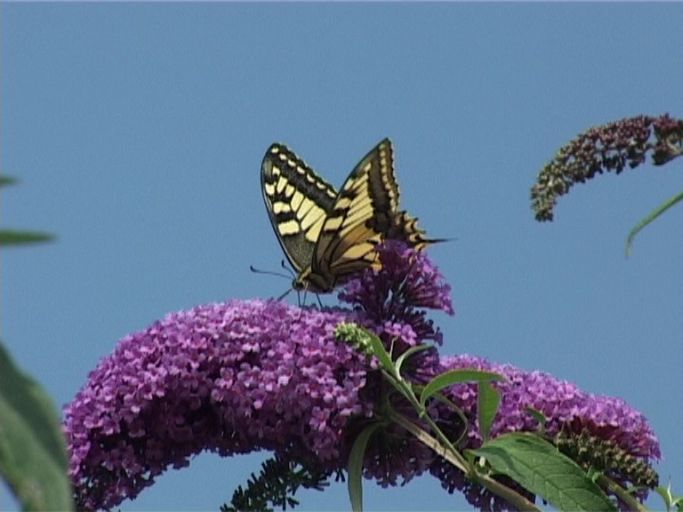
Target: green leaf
463 419
670 500
488 401
403 357
380 352
650 218
356 457
7 180
13 237
665 493
451 377
33 457
538 416
541 469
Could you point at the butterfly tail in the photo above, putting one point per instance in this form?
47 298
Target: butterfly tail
405 229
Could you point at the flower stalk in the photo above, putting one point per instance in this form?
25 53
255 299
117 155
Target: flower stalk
606 148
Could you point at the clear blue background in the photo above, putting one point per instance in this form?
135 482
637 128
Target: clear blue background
137 132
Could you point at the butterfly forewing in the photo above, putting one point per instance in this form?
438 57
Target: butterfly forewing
298 202
361 216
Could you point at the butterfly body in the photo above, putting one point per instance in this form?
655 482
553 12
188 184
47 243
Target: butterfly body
329 236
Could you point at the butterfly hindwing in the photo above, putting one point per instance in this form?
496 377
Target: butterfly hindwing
298 202
404 227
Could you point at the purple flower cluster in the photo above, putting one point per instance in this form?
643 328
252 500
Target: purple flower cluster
394 297
249 375
396 456
609 147
230 378
563 404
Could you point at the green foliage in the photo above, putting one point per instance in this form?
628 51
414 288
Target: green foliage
33 457
649 218
356 466
398 365
488 398
488 401
460 376
538 416
7 180
10 237
13 237
528 459
671 501
276 485
540 468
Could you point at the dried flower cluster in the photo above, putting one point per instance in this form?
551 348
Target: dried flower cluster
249 375
609 147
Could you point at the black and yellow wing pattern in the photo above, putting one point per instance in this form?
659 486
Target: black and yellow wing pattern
328 236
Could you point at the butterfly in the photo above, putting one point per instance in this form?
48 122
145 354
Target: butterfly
327 235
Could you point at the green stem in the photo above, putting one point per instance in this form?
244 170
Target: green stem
407 391
623 494
509 495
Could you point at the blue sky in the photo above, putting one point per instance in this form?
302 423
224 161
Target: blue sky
137 131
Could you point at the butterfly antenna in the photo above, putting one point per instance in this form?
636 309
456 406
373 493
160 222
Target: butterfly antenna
317 296
268 272
278 274
289 270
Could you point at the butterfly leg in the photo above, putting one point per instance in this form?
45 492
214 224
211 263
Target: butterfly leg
284 294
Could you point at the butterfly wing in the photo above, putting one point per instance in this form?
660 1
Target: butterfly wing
298 203
364 213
